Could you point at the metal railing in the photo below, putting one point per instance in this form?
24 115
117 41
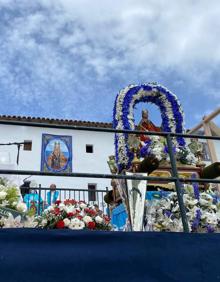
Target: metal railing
167 135
87 195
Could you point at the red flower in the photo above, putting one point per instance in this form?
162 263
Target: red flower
92 212
60 224
79 217
106 218
91 225
57 202
70 202
70 214
56 211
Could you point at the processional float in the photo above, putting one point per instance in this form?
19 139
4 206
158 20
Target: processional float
150 157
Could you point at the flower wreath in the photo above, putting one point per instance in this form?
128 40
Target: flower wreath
123 116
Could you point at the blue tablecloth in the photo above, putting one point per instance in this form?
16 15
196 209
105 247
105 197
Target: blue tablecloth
64 255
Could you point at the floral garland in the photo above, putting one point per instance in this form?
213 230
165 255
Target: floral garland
123 116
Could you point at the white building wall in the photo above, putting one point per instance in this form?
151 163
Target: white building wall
96 162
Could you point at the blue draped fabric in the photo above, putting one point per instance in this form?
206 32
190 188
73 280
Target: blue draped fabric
86 256
119 216
50 199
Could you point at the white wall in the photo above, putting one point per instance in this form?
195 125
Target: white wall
96 162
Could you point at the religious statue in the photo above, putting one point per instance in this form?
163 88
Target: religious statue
136 142
196 148
146 125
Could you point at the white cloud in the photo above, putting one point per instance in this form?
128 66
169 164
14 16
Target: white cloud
52 51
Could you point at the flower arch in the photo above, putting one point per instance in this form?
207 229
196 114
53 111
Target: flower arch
123 116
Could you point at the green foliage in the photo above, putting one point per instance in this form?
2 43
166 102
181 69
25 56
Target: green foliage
12 196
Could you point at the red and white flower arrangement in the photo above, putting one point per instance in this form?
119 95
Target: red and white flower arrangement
73 215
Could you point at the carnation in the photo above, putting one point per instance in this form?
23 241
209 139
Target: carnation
98 219
61 206
60 224
66 222
91 225
83 205
87 219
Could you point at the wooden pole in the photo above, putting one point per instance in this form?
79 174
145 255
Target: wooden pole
210 143
206 119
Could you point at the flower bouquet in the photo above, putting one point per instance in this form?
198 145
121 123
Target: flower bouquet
10 199
73 215
12 208
202 210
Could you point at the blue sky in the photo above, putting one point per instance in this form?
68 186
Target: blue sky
69 58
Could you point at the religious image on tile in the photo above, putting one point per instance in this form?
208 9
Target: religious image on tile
56 153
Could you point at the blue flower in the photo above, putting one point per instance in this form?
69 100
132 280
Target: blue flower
210 229
146 150
167 213
195 188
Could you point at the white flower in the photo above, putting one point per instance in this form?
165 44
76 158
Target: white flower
98 219
75 221
204 202
87 219
2 195
44 222
4 203
2 187
83 205
61 206
21 207
175 209
81 225
191 202
12 222
69 209
66 222
210 218
76 224
30 222
14 204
